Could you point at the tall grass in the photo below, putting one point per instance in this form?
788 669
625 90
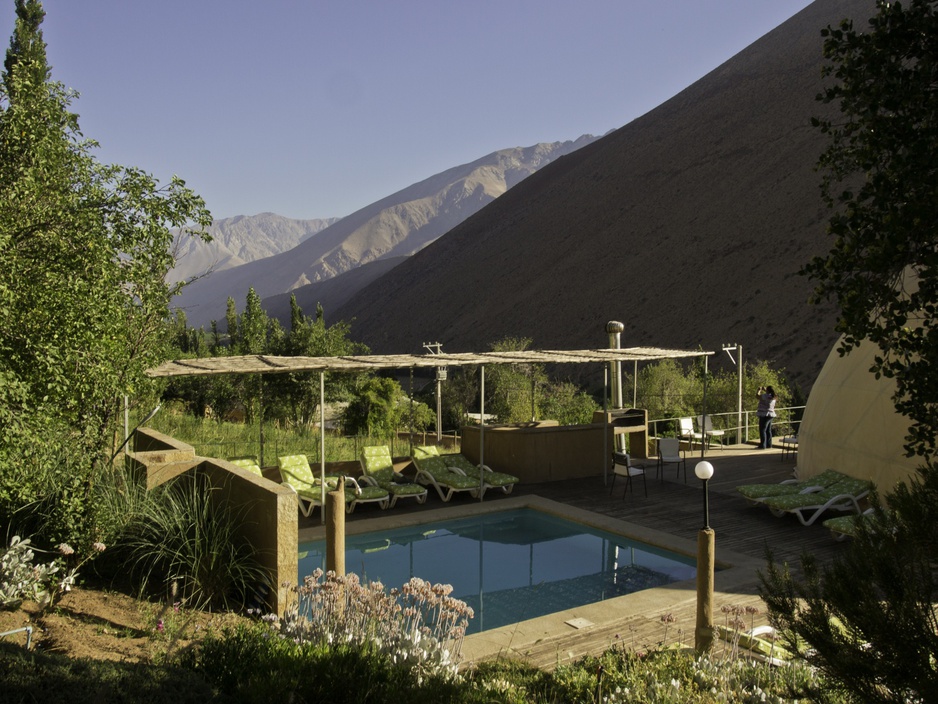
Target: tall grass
180 539
224 439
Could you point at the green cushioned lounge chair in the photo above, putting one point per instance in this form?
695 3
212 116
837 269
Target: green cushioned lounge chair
377 464
843 527
432 471
492 480
808 506
297 474
248 463
756 493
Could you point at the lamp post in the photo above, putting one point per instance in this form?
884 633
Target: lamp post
703 635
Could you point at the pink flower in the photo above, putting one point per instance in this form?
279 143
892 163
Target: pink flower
159 625
65 549
99 546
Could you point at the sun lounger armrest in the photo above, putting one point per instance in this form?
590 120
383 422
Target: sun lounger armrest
350 481
811 490
455 469
367 480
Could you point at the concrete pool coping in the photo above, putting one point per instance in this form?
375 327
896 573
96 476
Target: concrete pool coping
736 574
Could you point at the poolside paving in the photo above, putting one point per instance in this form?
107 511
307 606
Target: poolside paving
672 509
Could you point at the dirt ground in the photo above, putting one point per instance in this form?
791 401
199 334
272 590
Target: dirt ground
106 625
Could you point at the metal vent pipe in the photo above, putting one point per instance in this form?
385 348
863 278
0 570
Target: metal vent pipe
614 329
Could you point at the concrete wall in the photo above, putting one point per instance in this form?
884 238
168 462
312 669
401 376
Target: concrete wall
272 529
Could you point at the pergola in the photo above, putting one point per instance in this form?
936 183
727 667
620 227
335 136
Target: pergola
269 364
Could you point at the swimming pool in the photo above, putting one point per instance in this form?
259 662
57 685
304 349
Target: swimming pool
509 565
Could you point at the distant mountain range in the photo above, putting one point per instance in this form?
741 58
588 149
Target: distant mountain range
387 231
240 240
688 224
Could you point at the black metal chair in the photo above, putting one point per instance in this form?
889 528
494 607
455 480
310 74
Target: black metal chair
622 467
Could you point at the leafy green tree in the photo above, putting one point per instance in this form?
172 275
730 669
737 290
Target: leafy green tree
380 408
84 249
566 403
869 618
510 388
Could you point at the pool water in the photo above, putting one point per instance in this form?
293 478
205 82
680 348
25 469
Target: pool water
511 565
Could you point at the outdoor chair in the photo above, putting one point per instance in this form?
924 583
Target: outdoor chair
688 433
493 480
705 423
377 464
296 474
808 506
789 446
670 452
248 463
622 467
757 493
448 481
843 527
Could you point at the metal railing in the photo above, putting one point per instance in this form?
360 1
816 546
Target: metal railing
786 423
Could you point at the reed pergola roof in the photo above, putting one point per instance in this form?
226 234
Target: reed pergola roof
270 364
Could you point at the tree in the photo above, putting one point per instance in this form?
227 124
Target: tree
509 387
869 619
84 249
881 177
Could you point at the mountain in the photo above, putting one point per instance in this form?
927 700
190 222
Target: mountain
331 293
398 225
689 225
239 240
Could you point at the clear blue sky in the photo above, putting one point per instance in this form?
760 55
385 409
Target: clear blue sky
316 108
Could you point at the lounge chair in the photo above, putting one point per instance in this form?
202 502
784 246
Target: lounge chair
670 452
622 467
761 643
248 463
297 474
377 464
843 527
757 493
490 478
808 506
448 481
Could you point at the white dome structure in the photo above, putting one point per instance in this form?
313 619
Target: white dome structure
851 425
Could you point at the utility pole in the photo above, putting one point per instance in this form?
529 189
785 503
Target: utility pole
738 348
437 348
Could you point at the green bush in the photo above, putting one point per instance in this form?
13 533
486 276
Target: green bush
182 539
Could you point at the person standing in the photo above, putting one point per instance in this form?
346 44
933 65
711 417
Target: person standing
766 412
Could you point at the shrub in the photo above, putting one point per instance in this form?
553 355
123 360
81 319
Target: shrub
181 537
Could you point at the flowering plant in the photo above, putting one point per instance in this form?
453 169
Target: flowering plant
21 579
419 627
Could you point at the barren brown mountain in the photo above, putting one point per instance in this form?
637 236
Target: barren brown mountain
688 224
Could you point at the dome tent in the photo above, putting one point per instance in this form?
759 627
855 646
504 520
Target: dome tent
851 424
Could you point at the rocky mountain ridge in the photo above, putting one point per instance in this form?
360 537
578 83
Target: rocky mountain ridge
396 226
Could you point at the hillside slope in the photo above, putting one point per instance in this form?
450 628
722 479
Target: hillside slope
688 224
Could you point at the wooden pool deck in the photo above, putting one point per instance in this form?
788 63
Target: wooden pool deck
743 533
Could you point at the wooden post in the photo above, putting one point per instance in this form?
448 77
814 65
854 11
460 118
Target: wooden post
703 635
335 529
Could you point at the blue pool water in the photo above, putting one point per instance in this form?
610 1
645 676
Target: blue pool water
511 565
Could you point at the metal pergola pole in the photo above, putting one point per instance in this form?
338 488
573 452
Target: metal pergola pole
481 429
322 443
